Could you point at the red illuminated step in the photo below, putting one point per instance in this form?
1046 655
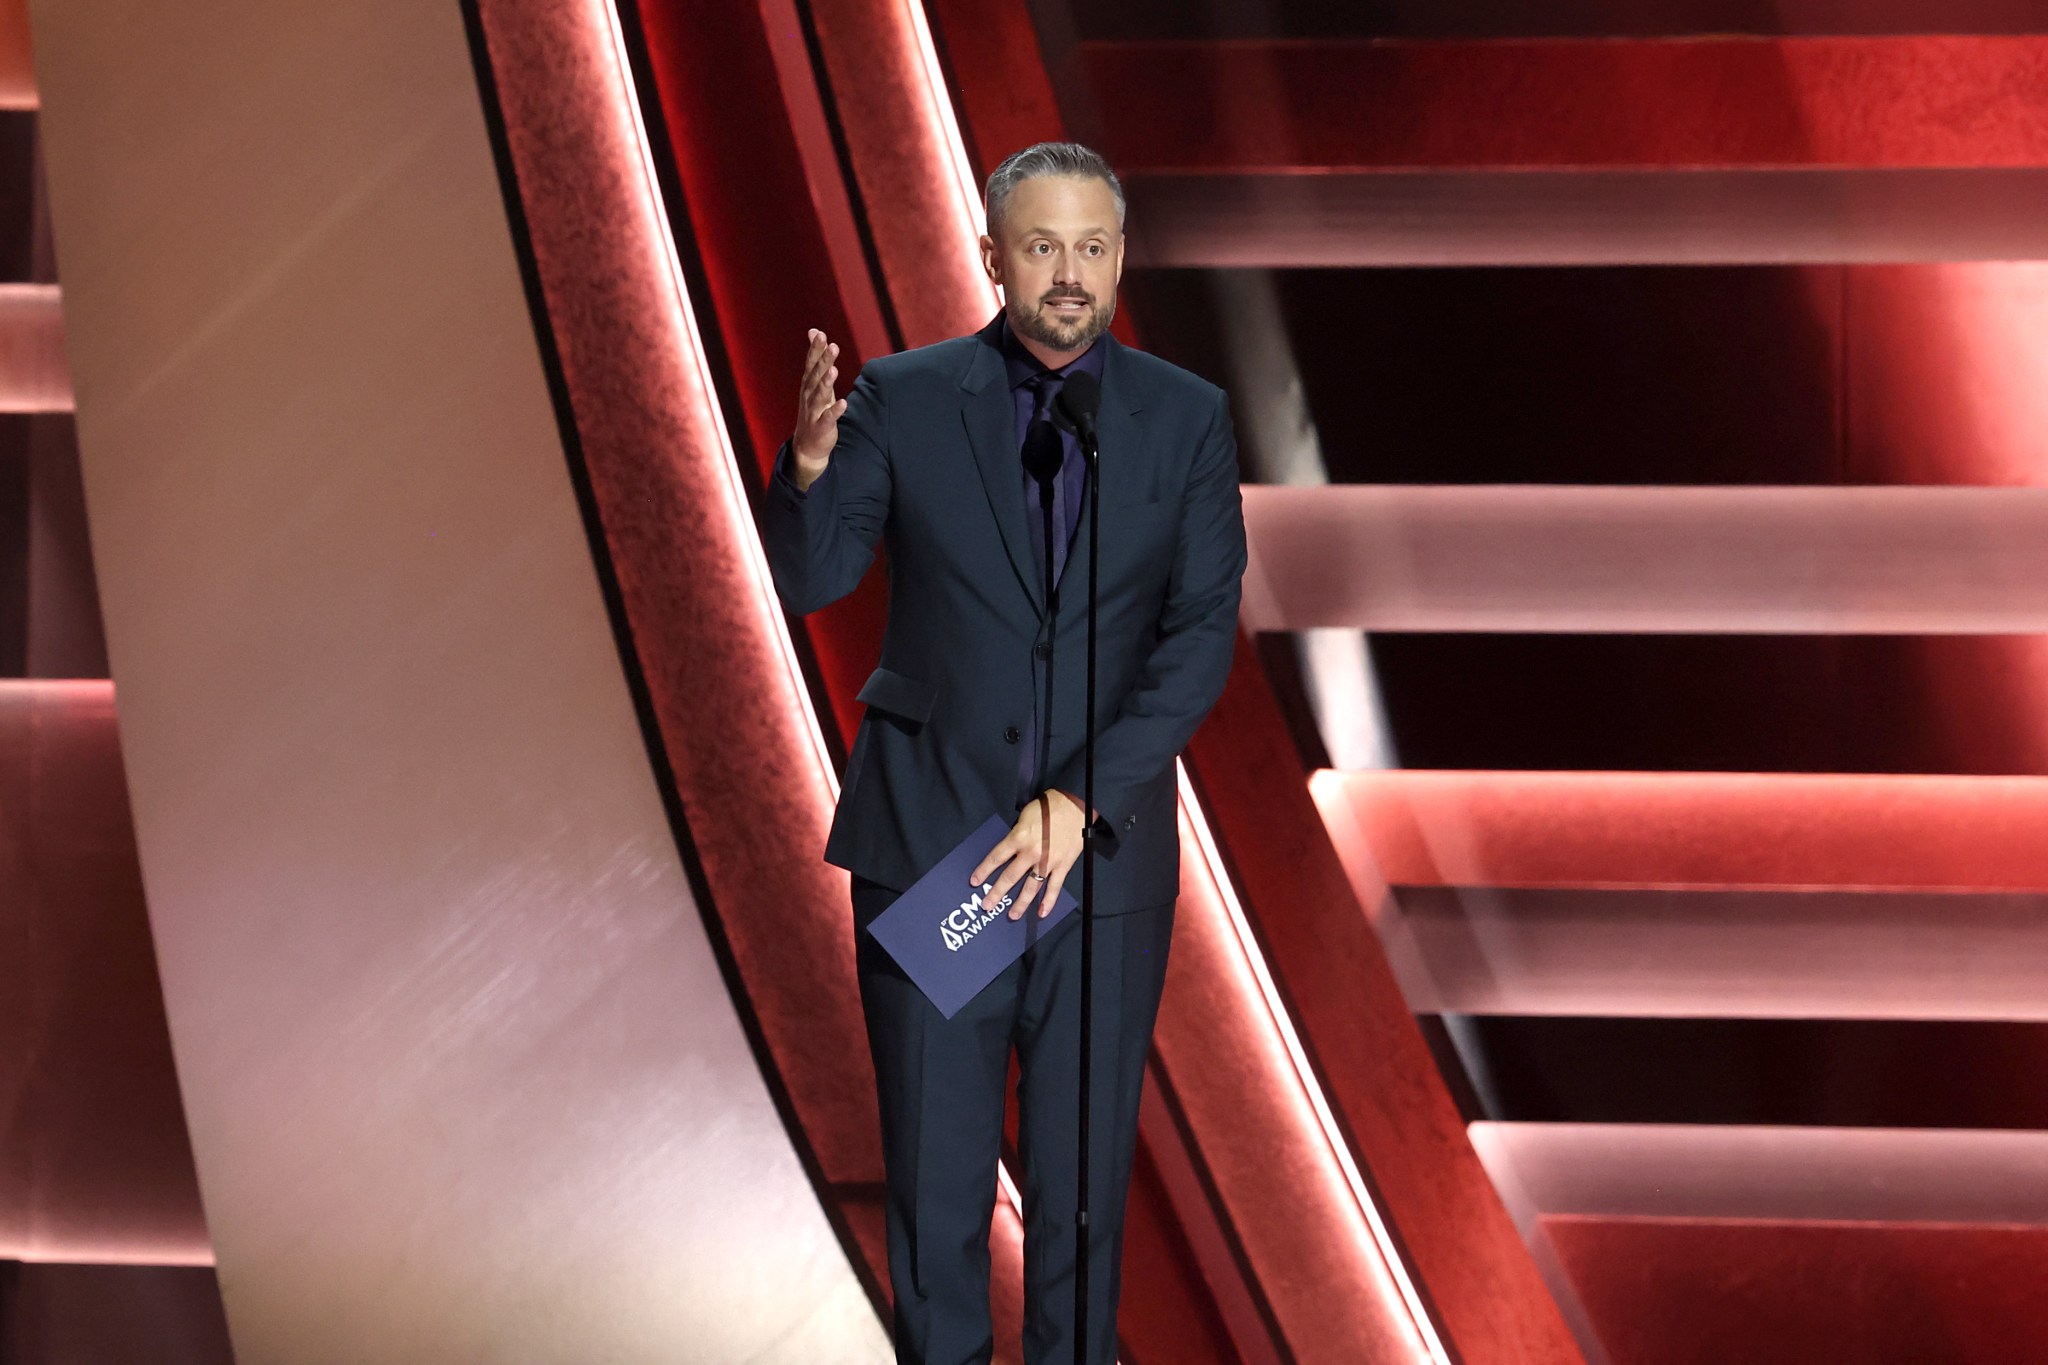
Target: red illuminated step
1600 217
1582 149
1789 103
1768 1174
1683 1244
1708 831
1719 954
1824 561
95 1167
1682 1292
17 65
33 373
1706 895
1153 20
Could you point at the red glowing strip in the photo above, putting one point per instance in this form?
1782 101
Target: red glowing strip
1209 859
938 103
67 689
685 319
737 508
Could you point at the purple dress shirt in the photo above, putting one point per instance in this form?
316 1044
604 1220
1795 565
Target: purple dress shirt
1023 368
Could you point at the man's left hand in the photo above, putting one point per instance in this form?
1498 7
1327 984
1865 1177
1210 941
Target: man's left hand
1036 855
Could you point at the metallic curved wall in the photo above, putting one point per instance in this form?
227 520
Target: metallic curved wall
463 1077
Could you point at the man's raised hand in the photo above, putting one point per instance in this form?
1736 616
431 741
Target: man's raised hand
817 411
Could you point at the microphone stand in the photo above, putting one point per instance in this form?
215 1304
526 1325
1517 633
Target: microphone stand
1075 409
1043 739
1092 454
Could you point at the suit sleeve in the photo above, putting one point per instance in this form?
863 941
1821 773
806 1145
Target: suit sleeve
1184 674
821 540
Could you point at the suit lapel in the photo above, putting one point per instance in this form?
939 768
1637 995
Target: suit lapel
1118 434
991 418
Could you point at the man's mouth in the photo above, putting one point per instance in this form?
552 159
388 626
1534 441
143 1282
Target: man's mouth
1066 305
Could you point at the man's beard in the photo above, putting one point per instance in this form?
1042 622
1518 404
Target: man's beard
1058 333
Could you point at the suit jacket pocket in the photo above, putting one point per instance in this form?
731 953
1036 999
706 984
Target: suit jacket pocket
901 696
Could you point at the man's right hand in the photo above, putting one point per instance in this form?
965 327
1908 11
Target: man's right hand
818 407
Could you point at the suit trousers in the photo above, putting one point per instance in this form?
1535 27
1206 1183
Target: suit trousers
941 1083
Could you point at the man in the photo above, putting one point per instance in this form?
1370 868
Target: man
949 455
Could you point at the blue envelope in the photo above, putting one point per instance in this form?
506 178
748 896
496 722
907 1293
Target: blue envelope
948 937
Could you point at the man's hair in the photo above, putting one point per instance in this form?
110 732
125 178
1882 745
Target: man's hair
1047 158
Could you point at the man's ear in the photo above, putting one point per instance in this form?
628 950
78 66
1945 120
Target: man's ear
990 261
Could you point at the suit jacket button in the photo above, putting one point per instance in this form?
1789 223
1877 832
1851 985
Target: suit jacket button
1041 650
1011 734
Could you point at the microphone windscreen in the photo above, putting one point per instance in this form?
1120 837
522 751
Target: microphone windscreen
1078 399
1043 452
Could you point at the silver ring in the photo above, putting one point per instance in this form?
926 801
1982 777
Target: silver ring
1036 876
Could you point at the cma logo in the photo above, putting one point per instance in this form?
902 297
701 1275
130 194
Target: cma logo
971 917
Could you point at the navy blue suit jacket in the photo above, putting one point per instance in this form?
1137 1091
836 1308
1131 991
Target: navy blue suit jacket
927 462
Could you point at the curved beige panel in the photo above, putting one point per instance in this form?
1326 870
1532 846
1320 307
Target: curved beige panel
463 1078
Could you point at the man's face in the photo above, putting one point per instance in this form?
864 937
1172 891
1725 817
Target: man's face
1058 255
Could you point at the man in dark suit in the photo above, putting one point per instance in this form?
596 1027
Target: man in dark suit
949 455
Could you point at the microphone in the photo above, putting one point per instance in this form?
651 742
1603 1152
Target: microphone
1043 453
1074 409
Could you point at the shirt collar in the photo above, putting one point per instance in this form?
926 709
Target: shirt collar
1023 366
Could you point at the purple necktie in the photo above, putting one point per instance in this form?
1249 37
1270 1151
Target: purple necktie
1044 452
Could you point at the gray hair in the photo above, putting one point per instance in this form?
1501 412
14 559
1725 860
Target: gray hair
1048 158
